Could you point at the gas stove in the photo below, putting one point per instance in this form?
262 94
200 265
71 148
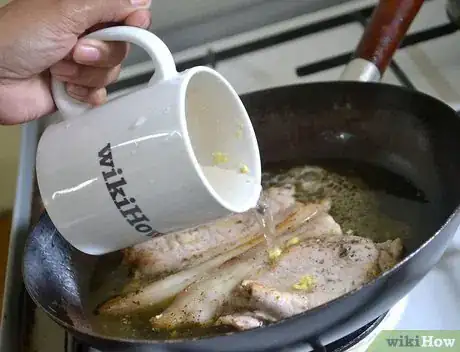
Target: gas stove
307 48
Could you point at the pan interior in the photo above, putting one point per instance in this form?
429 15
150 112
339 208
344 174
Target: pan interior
395 146
367 201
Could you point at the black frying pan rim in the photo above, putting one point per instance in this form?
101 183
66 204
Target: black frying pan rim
248 333
299 316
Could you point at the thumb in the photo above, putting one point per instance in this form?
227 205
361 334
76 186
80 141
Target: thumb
84 14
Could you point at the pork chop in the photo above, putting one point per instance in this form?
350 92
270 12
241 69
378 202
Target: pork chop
312 216
312 273
204 300
176 251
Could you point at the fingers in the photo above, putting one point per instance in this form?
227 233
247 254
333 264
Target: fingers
108 54
139 18
85 83
92 96
99 54
94 64
88 76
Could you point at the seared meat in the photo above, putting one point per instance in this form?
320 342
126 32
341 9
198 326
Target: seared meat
390 252
204 300
176 251
222 275
159 291
316 271
245 320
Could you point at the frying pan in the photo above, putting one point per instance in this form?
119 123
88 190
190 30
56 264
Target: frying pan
409 133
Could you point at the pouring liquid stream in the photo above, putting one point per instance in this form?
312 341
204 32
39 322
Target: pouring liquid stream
261 212
264 217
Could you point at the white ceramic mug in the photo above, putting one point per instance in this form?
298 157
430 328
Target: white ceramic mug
144 164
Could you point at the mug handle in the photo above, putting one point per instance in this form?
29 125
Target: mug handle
164 65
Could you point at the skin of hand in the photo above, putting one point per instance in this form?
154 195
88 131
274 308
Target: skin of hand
39 38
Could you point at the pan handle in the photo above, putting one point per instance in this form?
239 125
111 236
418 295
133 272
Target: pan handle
383 34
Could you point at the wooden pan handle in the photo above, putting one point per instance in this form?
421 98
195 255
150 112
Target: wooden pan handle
383 34
388 26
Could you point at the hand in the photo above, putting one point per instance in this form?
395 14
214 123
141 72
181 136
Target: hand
41 37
